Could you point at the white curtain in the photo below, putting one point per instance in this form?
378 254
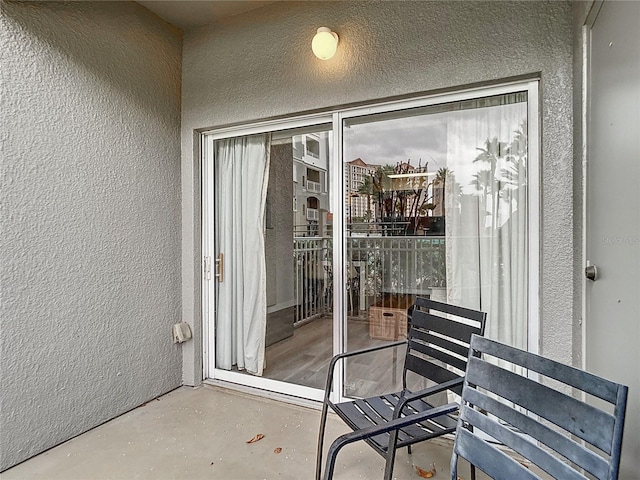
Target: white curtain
486 214
242 176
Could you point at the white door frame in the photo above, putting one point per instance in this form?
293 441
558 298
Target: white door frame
335 118
586 66
208 252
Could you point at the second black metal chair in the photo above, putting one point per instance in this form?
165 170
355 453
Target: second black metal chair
546 419
437 348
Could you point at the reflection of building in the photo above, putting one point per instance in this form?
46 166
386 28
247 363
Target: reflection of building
310 183
355 173
438 199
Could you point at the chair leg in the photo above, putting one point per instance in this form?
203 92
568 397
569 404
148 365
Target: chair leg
391 454
335 447
323 423
454 467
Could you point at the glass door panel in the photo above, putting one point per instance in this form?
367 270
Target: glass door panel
273 241
435 205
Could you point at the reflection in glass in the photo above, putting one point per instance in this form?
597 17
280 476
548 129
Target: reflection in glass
299 260
274 309
436 205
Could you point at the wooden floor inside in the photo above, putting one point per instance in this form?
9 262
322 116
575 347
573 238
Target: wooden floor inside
304 358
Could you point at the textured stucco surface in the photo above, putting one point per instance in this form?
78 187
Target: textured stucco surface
90 198
259 64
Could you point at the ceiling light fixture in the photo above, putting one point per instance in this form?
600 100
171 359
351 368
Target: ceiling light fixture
324 43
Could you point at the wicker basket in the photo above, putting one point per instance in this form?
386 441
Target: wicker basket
388 317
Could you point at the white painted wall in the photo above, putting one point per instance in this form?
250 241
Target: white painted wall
90 205
259 65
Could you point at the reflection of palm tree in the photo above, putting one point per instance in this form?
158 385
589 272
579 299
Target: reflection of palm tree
491 154
441 175
483 180
440 181
513 174
504 172
506 162
381 187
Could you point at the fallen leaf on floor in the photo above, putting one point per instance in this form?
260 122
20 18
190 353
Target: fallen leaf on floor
425 473
277 450
258 437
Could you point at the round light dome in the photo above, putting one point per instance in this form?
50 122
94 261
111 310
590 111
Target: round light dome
324 43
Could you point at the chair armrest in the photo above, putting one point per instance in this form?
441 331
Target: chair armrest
441 387
368 350
340 356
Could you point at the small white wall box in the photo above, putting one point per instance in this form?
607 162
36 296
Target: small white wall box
181 332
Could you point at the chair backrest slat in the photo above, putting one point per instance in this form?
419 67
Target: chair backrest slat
437 354
430 370
487 458
438 340
518 443
446 344
453 328
586 421
579 455
585 381
539 419
478 316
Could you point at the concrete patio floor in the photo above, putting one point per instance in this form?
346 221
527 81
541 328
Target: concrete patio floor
201 433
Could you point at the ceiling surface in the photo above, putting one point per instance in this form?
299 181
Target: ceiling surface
189 14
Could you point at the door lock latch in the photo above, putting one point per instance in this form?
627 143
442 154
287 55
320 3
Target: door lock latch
591 272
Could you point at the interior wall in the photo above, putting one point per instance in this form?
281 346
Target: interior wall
259 65
279 245
90 276
279 231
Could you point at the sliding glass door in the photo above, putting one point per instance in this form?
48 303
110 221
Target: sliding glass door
438 199
272 259
320 232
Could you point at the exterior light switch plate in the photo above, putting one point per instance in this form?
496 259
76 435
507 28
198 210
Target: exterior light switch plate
181 332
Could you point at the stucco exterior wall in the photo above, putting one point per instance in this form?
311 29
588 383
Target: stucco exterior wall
260 65
90 199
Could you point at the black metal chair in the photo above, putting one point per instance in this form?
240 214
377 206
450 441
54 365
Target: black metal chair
437 348
557 432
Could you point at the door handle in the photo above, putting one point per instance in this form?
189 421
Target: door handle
220 267
591 272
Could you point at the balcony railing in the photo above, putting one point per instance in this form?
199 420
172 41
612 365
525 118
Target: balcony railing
376 265
313 214
313 277
314 187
